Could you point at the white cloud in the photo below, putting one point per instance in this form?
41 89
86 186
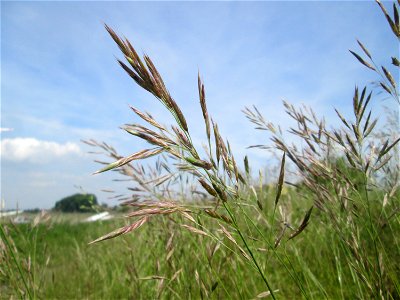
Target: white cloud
6 129
36 151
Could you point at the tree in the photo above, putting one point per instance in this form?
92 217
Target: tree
77 203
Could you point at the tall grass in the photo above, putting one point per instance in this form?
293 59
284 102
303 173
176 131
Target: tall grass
339 168
207 229
161 260
240 218
20 270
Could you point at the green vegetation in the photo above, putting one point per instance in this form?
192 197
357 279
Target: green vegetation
164 260
77 203
205 228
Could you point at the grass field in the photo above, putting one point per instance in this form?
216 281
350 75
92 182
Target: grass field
333 233
164 260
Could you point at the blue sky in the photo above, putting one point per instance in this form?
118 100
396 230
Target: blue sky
60 82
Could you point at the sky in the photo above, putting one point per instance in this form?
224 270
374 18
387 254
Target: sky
60 82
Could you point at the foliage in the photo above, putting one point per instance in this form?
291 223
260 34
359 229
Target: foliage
77 203
339 167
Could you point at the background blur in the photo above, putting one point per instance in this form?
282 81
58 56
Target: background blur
60 82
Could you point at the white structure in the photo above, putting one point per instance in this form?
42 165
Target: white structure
10 213
99 217
21 220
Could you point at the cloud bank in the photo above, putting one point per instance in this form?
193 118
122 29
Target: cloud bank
36 151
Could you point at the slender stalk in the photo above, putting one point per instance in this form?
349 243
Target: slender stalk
294 276
33 267
7 242
373 234
249 250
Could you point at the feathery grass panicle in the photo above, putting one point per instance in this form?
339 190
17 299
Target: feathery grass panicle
147 76
280 180
202 97
178 144
337 170
123 161
122 230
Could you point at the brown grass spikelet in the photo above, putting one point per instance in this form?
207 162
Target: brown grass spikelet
231 238
393 25
303 224
148 78
221 193
176 274
148 135
280 179
122 230
246 165
138 155
151 211
187 216
148 118
395 61
207 187
385 87
265 294
216 215
195 230
182 138
202 97
280 236
389 77
199 163
364 49
235 169
217 142
362 61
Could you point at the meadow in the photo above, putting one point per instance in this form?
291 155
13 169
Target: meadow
201 224
162 260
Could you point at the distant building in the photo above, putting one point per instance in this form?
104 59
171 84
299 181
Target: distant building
10 213
21 220
99 217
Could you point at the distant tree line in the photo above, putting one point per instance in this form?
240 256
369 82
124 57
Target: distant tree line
77 203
